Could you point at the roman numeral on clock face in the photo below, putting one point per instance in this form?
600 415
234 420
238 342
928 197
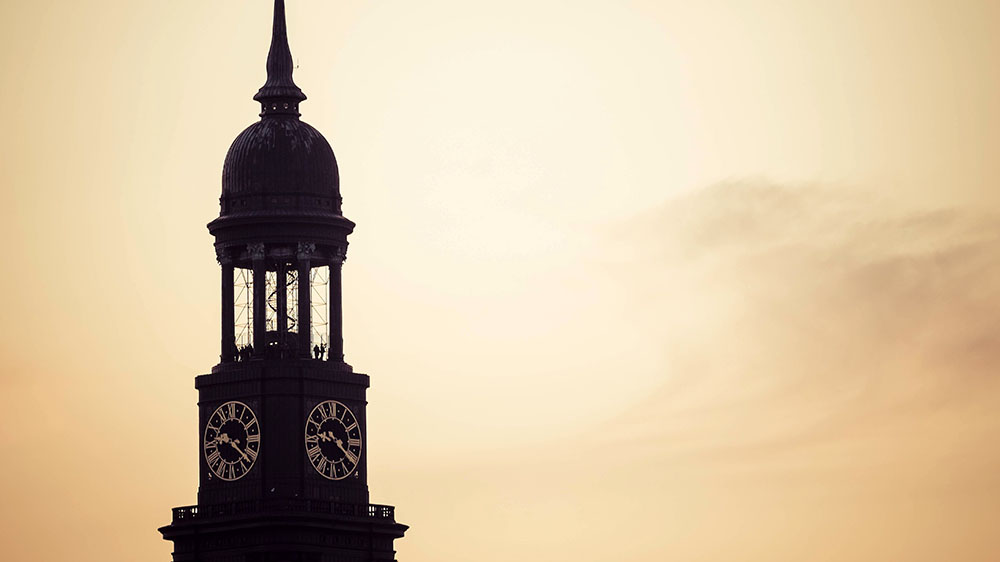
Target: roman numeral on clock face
214 458
351 456
315 454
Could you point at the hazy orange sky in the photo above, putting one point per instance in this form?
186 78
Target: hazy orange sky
634 280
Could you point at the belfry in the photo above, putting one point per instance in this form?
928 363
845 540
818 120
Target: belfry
282 428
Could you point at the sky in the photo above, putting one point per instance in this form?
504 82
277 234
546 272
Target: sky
633 280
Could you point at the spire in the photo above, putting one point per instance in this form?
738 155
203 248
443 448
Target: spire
279 94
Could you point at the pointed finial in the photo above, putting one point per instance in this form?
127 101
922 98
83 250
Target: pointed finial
279 94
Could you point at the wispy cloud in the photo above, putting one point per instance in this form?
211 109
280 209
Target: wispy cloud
799 317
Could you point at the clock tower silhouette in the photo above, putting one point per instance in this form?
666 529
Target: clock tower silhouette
281 427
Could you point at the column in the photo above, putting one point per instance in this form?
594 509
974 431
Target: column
256 252
336 310
228 314
305 297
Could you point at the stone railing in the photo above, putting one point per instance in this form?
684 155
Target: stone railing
250 507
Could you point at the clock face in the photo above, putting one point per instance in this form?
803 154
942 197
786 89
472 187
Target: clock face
232 440
333 440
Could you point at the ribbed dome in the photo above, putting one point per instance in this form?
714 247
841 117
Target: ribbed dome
280 156
280 165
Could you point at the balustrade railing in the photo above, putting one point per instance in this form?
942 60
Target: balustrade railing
374 511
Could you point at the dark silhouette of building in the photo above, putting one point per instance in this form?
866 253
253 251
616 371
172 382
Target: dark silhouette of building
282 450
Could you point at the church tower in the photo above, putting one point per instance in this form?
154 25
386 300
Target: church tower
282 453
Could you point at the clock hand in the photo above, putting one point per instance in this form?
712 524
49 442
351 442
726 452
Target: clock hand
348 454
244 455
224 438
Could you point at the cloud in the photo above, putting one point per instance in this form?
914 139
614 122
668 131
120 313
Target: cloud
808 324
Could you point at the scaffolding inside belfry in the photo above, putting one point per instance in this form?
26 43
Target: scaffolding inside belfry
274 304
319 292
292 297
243 304
271 310
319 289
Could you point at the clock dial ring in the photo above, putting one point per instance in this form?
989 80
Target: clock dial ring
333 440
231 441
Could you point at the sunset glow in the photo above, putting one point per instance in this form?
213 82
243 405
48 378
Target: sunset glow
634 280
